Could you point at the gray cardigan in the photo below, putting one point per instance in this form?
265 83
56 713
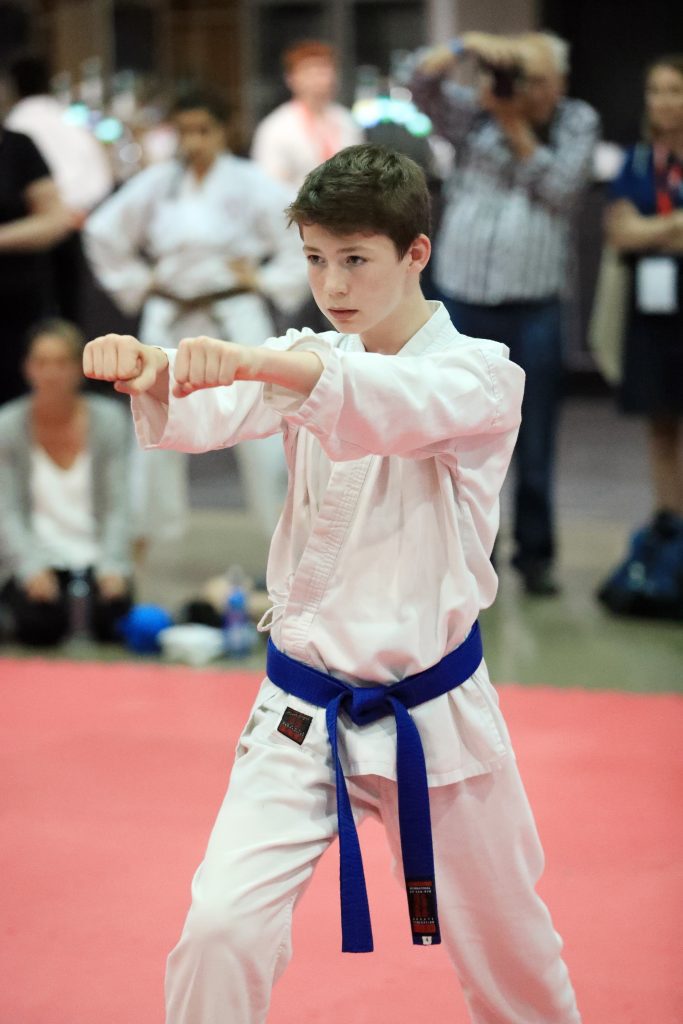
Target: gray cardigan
109 441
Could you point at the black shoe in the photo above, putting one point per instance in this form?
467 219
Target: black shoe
539 580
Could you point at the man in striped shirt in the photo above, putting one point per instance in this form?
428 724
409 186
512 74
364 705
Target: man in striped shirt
522 157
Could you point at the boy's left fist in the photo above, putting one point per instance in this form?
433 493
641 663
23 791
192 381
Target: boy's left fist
208 363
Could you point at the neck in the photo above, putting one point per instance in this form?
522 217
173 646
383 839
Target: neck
200 170
672 141
314 105
389 337
56 409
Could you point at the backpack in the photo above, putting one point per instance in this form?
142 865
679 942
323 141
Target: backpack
649 581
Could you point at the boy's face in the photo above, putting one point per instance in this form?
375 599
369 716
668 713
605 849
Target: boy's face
358 280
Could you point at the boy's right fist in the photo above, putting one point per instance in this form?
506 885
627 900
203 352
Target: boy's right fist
132 367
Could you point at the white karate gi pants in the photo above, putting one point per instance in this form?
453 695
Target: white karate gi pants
279 816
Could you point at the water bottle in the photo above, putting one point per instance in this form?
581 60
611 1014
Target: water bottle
239 634
78 590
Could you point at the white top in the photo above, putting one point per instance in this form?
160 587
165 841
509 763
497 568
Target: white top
77 161
62 515
290 141
380 564
190 230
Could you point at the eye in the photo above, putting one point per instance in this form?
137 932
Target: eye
314 260
356 261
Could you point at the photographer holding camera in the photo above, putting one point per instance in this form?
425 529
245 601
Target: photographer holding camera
523 154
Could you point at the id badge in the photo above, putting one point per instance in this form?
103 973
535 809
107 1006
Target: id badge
657 285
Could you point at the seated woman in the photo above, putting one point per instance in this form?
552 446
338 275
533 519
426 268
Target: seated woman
64 483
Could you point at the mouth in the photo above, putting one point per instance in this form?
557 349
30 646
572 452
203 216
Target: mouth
342 314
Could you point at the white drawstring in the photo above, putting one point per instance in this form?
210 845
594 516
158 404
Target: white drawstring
269 618
276 610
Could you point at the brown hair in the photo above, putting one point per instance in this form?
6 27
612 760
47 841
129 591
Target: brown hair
307 49
366 188
57 328
200 99
672 60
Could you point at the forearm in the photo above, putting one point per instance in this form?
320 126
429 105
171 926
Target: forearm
675 243
519 136
450 107
630 231
35 232
296 371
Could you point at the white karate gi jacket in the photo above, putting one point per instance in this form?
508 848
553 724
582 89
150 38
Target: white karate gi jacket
165 230
380 564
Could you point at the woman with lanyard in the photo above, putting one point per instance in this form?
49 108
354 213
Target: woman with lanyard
199 245
645 224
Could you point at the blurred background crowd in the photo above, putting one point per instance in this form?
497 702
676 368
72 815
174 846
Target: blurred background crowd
147 151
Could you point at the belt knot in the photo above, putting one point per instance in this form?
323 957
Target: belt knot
366 704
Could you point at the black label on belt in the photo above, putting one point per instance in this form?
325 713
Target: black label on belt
422 907
295 725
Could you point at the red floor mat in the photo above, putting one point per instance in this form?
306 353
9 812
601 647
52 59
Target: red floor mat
110 776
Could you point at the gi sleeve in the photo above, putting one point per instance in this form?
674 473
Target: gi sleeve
114 236
412 406
210 419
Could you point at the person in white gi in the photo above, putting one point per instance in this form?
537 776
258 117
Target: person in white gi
199 245
308 129
398 433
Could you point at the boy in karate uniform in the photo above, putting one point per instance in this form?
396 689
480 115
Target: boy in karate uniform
398 433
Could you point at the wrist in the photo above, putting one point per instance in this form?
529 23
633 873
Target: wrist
251 362
160 358
519 135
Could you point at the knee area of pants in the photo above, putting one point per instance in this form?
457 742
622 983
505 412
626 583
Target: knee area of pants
228 923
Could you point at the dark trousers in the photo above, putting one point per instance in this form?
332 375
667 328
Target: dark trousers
46 623
532 332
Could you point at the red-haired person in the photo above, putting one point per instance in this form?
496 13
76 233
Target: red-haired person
310 127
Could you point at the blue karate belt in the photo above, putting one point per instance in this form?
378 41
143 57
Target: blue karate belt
364 705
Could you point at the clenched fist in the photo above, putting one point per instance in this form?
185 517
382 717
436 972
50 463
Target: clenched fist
132 367
209 363
200 363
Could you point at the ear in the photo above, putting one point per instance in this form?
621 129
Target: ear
419 252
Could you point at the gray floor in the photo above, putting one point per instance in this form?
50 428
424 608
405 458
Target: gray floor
602 493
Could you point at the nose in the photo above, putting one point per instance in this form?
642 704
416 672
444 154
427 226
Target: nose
336 282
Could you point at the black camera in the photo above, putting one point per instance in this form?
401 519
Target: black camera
505 80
